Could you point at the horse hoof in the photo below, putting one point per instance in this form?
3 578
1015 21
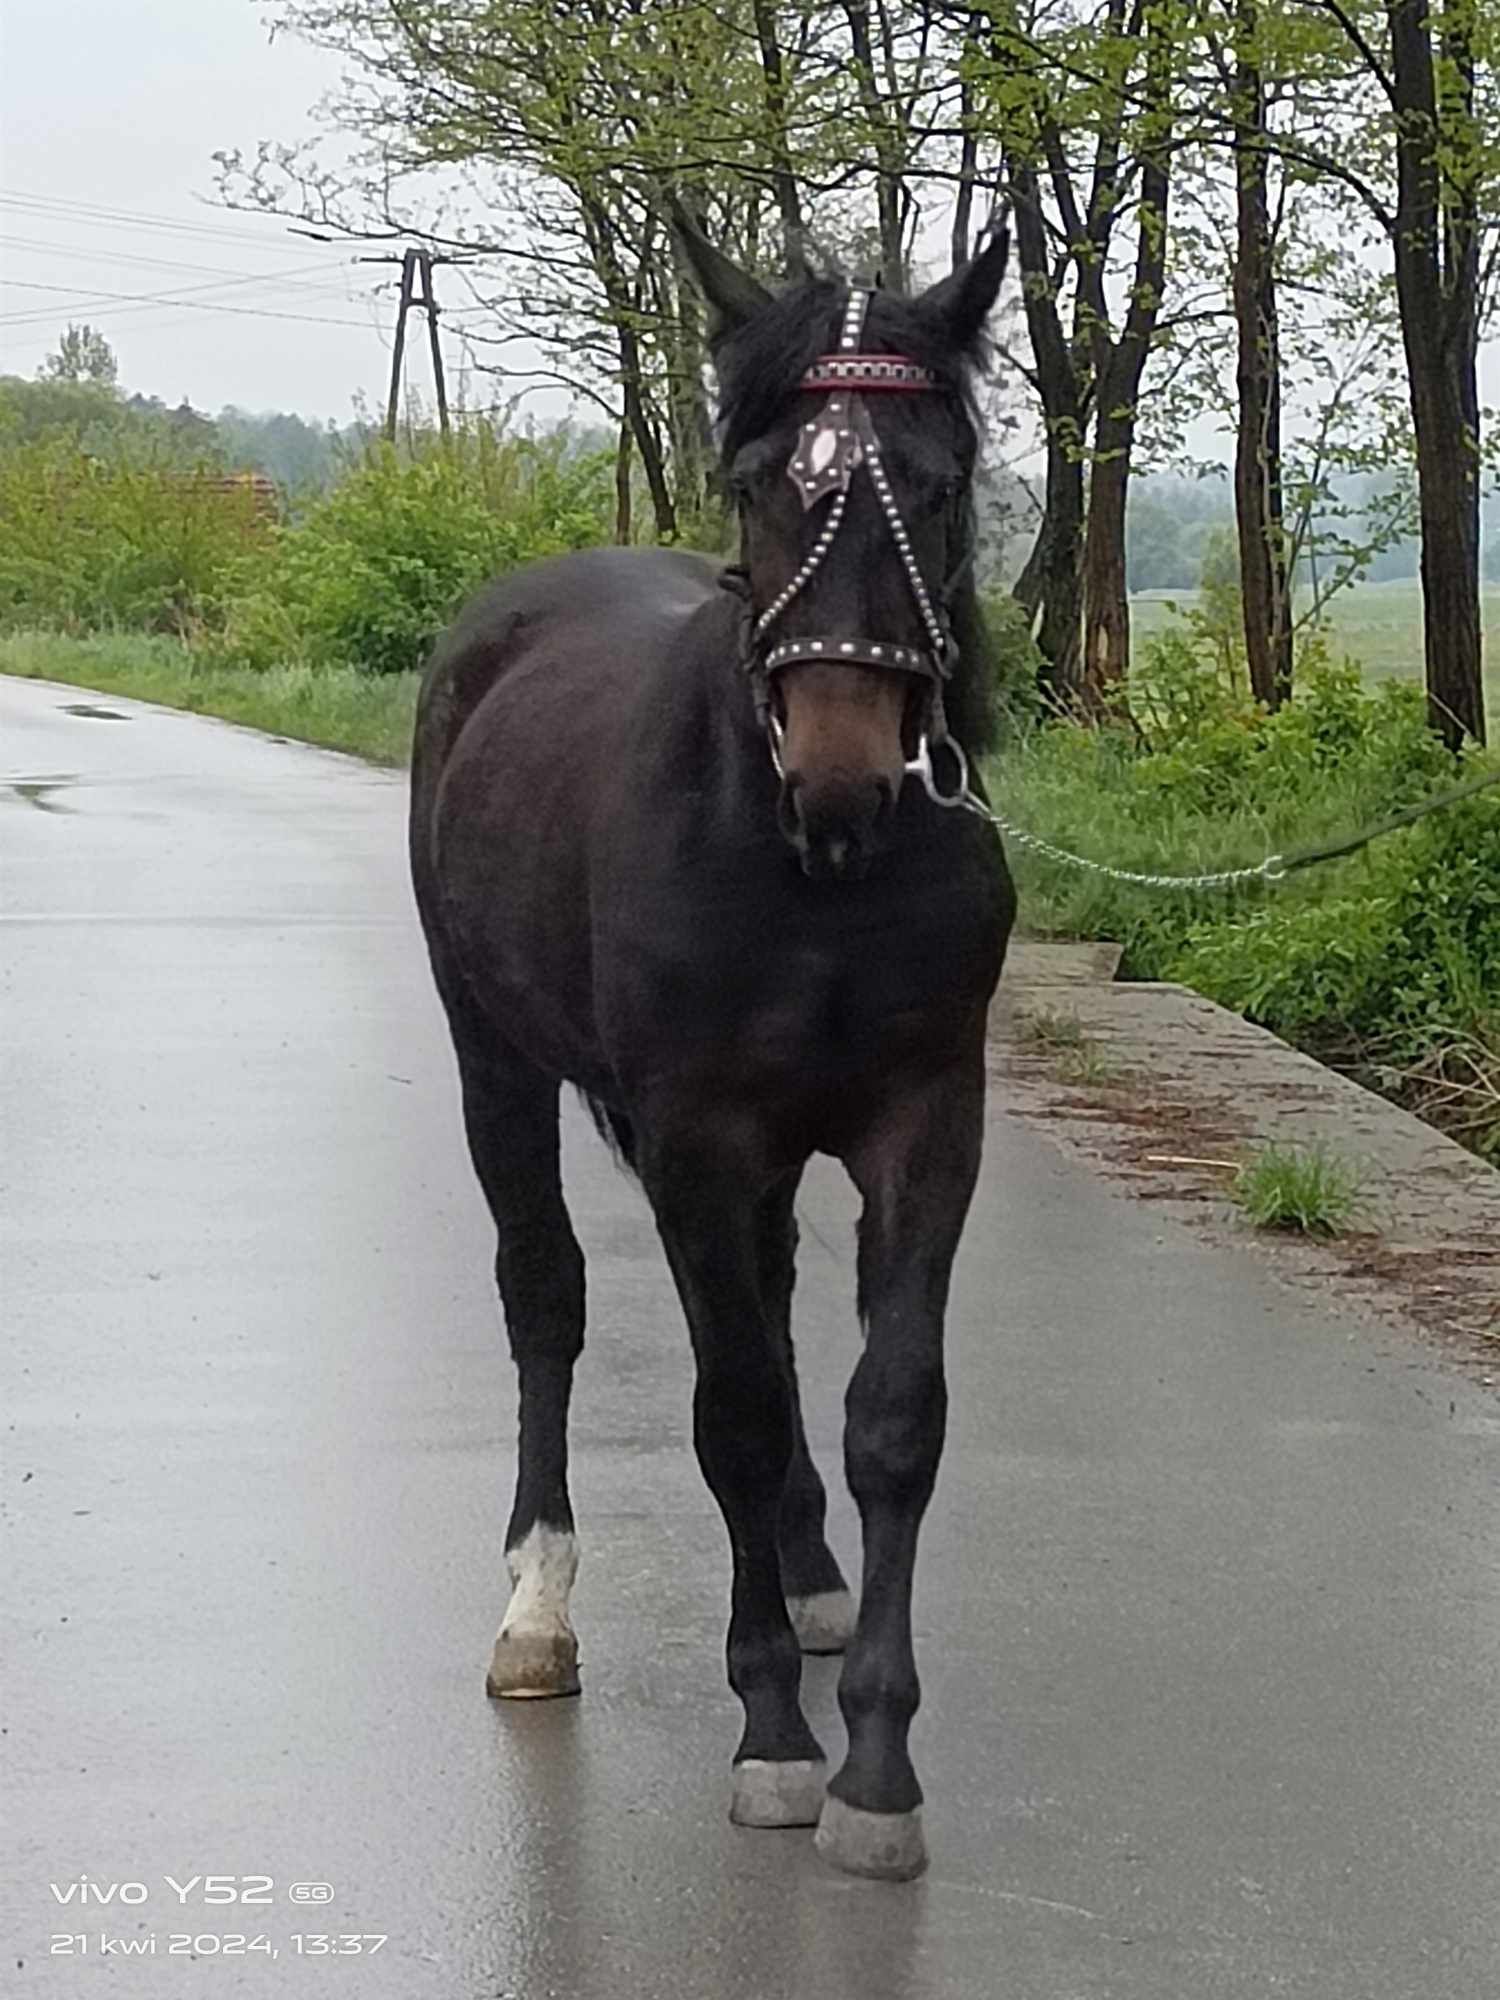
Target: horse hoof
772 1794
530 1666
887 1846
823 1623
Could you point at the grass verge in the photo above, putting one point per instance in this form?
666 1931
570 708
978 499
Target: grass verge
369 715
1385 963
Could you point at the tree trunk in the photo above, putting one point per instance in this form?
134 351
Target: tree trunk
598 233
1056 564
1028 586
1444 407
622 484
1106 607
1060 632
1264 593
778 144
1106 612
689 423
1436 239
882 121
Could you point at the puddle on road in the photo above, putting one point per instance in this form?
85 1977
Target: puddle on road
36 791
93 709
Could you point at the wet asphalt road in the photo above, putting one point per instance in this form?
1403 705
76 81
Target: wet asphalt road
1209 1606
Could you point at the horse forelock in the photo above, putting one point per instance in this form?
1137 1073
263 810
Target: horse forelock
761 365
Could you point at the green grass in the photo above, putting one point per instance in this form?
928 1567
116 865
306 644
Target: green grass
1385 962
1378 624
1050 1028
367 714
1308 1190
1088 1066
1077 1056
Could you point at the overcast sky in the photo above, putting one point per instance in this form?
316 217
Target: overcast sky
110 112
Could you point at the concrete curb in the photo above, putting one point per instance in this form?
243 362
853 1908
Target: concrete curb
1197 1085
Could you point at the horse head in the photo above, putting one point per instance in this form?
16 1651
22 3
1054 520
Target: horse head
849 445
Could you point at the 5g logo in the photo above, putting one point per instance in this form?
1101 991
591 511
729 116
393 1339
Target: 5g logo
311 1892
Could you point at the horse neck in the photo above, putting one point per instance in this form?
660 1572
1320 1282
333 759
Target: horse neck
968 702
703 722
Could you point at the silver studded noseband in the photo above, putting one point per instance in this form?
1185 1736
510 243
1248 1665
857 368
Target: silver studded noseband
830 449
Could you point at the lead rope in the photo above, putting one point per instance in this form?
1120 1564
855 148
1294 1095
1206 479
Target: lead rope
1275 867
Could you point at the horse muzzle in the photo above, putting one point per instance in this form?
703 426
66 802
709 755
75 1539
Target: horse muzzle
836 826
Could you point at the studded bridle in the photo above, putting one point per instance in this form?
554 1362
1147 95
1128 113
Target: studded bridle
830 449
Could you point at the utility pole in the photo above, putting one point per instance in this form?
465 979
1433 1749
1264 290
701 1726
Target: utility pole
417 264
429 301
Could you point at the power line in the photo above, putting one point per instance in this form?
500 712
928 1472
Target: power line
96 215
197 305
172 263
139 307
85 301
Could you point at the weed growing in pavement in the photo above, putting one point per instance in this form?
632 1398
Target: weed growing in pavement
1309 1190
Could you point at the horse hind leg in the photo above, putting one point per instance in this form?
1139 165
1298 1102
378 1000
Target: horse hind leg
511 1119
818 1600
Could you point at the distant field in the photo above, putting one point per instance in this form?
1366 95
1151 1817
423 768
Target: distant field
1378 624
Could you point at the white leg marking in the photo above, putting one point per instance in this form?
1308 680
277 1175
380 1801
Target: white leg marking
788 1794
542 1569
536 1652
824 1622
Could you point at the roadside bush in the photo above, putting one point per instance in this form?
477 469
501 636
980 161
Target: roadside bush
373 571
1380 961
86 544
1416 947
1017 661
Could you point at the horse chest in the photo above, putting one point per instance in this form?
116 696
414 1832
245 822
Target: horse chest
791 1008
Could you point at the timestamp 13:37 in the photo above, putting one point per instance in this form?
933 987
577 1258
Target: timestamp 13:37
216 1944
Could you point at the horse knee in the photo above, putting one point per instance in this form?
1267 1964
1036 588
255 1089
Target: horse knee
894 1431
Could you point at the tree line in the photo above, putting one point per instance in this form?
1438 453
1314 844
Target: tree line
1279 213
77 398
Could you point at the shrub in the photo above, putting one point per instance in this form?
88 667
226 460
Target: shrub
374 570
88 544
1016 661
1383 960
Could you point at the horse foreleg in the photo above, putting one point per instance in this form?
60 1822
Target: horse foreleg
915 1168
511 1118
743 1430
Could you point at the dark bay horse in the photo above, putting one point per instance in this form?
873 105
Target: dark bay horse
668 847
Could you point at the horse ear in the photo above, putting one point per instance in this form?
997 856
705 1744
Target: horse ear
963 300
732 294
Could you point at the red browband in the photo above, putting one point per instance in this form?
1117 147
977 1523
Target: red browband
867 371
